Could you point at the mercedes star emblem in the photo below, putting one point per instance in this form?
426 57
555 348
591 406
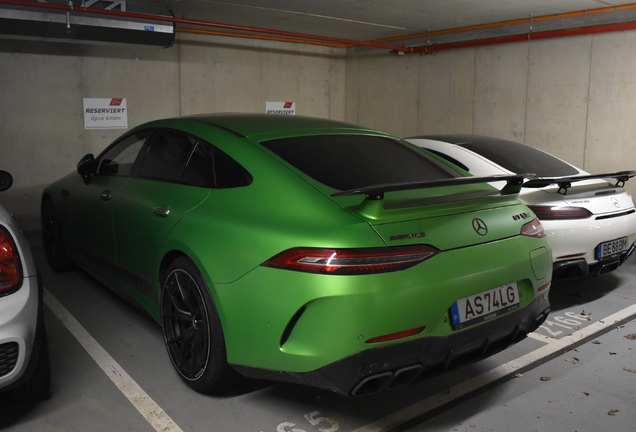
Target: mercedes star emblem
480 227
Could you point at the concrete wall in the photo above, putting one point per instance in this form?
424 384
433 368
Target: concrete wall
42 86
574 97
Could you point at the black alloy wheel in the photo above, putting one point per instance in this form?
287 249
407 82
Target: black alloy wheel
192 329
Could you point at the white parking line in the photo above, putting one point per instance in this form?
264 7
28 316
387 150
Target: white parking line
153 414
541 338
507 369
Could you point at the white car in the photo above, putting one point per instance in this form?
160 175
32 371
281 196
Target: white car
24 357
590 223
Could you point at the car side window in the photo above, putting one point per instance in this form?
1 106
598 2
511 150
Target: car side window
210 167
166 156
119 158
180 158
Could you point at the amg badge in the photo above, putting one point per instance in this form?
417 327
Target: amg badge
408 236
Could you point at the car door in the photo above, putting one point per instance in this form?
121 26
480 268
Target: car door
152 202
92 205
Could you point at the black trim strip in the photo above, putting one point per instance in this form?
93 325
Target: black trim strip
132 279
628 212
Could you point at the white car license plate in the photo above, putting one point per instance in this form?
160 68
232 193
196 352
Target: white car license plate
484 306
611 248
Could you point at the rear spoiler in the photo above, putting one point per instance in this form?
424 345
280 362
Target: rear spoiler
565 183
376 192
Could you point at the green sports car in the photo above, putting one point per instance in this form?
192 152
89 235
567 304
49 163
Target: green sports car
302 250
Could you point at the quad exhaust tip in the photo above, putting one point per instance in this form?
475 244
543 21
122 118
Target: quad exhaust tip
387 380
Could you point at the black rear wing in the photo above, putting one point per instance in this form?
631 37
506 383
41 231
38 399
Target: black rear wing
564 183
376 192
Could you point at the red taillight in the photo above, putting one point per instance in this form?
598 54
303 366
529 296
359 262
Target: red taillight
9 264
559 213
398 335
351 261
533 229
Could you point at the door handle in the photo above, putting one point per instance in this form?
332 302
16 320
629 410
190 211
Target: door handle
106 195
161 211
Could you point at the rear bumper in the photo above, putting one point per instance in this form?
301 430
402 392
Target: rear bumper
20 314
396 365
580 237
570 269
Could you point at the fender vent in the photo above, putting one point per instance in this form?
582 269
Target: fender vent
290 326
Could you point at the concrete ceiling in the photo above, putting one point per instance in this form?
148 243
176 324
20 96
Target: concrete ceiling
400 26
369 20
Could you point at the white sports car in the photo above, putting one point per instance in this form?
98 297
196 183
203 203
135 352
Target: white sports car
591 224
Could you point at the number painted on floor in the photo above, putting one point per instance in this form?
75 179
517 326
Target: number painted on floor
571 321
282 428
314 419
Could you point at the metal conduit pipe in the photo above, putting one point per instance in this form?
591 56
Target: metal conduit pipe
70 8
510 23
337 42
550 34
270 38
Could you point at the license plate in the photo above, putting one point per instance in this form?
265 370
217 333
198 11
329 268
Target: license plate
611 248
484 306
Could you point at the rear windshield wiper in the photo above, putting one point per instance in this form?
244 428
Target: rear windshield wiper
376 192
565 183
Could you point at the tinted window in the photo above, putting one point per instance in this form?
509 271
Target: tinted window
521 159
181 158
351 161
209 167
167 156
120 157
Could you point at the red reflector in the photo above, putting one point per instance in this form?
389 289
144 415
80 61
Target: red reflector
351 261
398 335
533 229
9 263
561 213
544 287
571 256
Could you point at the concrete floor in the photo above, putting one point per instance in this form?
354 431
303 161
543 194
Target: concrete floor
111 372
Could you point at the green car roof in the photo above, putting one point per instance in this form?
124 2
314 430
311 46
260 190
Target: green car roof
250 125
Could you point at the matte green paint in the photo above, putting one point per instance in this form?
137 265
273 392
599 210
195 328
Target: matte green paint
228 233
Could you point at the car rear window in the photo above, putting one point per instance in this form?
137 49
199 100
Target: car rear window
521 158
352 161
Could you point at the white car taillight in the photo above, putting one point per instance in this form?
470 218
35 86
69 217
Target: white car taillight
10 276
561 213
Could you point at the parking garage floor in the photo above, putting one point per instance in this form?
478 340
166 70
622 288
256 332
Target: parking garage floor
110 372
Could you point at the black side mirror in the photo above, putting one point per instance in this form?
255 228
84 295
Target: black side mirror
87 167
6 180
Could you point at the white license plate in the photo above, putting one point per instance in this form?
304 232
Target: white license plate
611 248
485 305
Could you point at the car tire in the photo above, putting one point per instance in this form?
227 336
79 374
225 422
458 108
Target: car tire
53 240
192 329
